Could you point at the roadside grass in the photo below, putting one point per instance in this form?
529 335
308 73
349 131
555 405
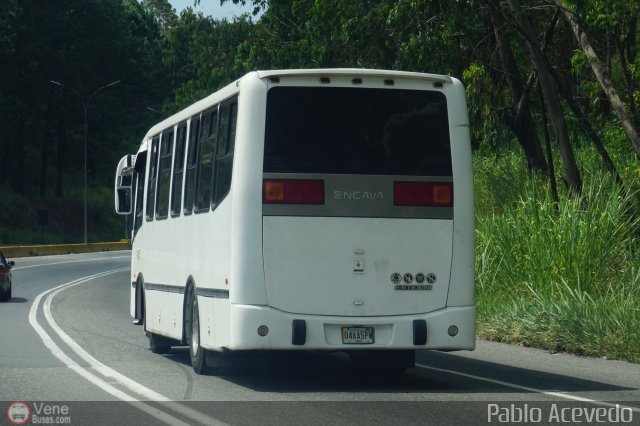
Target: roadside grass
562 277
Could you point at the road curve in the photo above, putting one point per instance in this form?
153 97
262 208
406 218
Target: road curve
67 337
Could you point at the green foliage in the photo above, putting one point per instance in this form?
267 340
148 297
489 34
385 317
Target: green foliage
613 29
560 276
19 225
312 34
202 55
83 44
486 128
501 177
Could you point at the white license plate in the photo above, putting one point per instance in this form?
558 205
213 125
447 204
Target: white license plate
358 335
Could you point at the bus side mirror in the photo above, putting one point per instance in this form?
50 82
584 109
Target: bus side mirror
124 185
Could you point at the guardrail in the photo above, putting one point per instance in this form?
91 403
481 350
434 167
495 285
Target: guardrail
45 250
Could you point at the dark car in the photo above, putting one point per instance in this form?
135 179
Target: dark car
5 278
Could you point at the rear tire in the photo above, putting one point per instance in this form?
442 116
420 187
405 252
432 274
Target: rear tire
159 344
139 304
198 353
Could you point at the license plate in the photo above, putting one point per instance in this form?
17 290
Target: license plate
358 335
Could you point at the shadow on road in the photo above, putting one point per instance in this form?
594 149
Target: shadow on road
333 372
17 300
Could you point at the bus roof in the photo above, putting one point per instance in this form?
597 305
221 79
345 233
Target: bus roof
232 88
361 72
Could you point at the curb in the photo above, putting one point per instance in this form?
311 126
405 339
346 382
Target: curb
46 250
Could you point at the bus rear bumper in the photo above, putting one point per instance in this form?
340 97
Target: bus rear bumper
451 328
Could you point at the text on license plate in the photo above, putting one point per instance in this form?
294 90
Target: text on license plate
358 335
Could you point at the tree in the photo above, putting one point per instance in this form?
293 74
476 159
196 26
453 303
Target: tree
601 74
555 112
83 44
520 120
202 55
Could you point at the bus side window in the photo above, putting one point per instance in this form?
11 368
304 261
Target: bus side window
178 168
206 161
192 157
153 175
164 174
224 161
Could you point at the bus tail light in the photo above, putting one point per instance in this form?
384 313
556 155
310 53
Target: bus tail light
293 191
423 194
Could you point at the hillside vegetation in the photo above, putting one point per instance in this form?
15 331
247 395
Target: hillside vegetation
560 275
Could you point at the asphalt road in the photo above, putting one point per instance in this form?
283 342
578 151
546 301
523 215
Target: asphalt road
69 351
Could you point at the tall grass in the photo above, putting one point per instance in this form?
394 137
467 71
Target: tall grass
560 276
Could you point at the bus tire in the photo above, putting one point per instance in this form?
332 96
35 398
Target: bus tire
198 353
159 344
139 307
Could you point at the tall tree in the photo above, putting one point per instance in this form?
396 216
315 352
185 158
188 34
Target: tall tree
520 120
601 74
570 172
202 55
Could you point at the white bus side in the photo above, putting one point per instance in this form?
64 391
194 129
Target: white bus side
308 210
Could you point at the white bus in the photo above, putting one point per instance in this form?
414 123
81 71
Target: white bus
327 209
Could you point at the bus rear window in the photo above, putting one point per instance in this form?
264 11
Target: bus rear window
332 130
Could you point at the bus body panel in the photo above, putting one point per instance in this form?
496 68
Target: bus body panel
461 290
346 266
214 322
323 332
203 258
247 274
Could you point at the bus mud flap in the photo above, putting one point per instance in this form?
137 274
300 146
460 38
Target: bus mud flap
419 332
299 332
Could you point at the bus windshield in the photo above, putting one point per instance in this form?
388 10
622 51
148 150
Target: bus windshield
332 130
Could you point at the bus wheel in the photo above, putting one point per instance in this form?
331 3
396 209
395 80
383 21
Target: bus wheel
159 344
197 352
139 307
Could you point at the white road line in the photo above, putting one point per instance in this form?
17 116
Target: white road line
93 259
107 372
562 395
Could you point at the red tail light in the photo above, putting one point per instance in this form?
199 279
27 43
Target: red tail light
424 194
2 273
293 191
